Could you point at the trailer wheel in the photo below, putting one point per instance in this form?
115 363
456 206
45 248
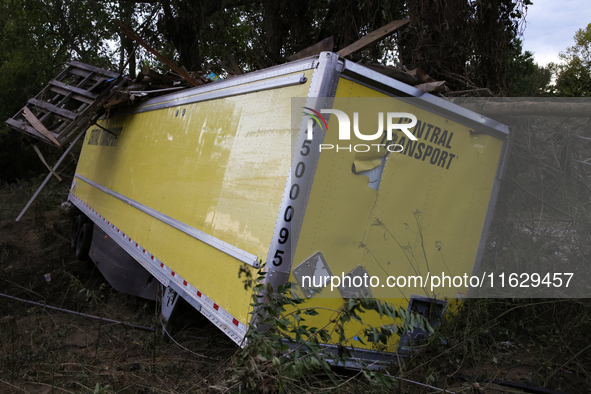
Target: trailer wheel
84 240
76 226
75 230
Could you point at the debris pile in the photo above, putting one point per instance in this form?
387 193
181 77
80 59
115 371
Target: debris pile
150 83
82 93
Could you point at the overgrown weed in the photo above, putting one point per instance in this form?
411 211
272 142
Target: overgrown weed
284 354
548 335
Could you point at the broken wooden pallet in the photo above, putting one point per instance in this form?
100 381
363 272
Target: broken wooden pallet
68 103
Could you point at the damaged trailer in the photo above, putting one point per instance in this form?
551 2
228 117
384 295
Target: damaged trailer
188 189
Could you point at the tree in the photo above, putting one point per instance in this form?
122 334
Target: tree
526 78
573 77
36 38
467 43
265 32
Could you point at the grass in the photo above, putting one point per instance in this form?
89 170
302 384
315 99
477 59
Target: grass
488 338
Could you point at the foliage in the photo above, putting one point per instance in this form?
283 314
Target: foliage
573 77
280 29
582 48
526 78
202 32
543 219
507 333
282 350
467 43
36 38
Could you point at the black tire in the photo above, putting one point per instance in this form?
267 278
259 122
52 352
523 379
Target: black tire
83 241
76 225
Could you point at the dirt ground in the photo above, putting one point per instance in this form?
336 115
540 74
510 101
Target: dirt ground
46 351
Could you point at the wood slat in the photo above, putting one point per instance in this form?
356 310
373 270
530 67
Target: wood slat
84 73
66 131
37 125
170 64
74 89
65 72
53 108
74 96
61 127
45 162
325 45
50 102
98 82
25 127
97 70
392 72
372 37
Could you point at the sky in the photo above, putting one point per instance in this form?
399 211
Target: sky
551 26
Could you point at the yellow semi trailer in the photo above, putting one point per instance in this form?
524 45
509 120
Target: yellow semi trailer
200 184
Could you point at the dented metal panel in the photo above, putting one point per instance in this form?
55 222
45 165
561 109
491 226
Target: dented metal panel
425 210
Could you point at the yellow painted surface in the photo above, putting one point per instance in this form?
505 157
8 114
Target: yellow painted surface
424 218
220 167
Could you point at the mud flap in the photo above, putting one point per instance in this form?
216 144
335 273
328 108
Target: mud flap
169 299
121 270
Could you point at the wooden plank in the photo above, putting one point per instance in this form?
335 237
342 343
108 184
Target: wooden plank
74 89
25 127
421 76
44 162
75 96
94 69
325 45
49 175
86 117
82 73
65 99
82 123
86 74
429 87
372 37
53 108
37 125
227 68
111 104
392 72
235 66
60 128
170 64
59 94
64 72
97 83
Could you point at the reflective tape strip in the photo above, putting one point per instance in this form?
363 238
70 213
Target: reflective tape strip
146 260
211 310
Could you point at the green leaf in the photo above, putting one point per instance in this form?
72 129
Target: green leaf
276 362
429 328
